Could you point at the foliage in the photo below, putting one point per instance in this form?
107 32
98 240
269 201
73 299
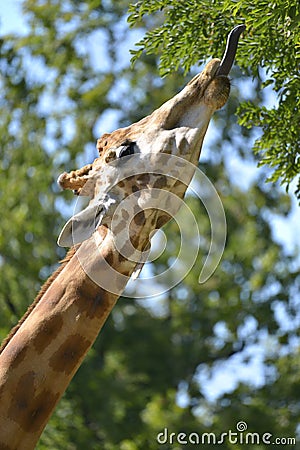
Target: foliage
54 96
270 50
153 363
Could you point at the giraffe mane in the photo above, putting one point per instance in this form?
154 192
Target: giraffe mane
42 291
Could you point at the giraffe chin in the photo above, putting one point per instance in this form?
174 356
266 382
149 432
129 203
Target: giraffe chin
217 92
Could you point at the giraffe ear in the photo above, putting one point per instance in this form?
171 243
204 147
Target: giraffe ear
81 226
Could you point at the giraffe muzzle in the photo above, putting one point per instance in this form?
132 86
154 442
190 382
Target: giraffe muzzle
230 51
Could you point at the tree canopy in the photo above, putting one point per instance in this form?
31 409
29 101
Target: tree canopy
201 358
187 33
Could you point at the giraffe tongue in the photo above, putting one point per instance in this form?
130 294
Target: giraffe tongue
230 51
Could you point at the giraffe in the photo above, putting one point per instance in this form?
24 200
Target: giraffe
42 353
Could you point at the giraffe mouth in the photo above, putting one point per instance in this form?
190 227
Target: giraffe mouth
76 179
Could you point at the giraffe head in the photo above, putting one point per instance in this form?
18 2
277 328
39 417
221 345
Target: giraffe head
143 170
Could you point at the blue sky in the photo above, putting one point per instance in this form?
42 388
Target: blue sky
11 16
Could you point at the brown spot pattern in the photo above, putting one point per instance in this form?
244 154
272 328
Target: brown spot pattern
139 219
109 258
164 218
121 258
29 410
66 358
179 183
119 227
19 357
135 241
17 350
144 178
160 182
4 446
125 214
48 331
91 302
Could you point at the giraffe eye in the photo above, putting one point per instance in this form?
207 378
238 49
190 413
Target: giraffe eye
126 149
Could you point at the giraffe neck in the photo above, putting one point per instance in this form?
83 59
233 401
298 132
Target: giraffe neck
41 293
50 344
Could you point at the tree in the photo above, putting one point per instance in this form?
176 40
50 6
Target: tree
152 364
270 53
